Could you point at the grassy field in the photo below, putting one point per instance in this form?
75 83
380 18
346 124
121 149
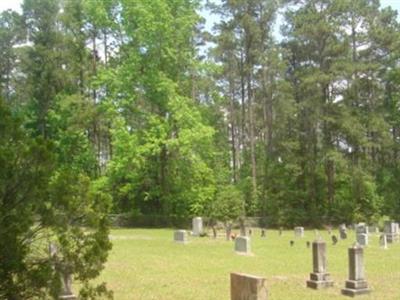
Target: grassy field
146 264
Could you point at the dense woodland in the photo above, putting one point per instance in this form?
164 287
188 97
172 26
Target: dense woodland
131 106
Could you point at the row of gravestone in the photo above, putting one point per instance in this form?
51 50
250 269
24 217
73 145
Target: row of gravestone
391 229
244 286
391 234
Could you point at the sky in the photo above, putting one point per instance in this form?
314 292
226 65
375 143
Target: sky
15 5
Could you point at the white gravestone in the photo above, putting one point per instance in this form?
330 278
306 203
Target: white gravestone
299 232
197 226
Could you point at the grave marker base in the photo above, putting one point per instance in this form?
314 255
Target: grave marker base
68 297
355 288
319 281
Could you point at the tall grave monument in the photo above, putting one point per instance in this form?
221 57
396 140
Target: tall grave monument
319 278
356 284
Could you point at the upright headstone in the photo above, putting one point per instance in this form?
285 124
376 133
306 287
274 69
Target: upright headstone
383 241
299 231
362 239
343 232
248 287
391 231
65 277
180 236
319 278
66 293
362 228
242 245
197 226
356 284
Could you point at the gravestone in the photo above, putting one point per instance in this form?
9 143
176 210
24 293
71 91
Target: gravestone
65 277
319 278
197 226
242 245
356 284
334 239
343 232
383 241
180 236
362 228
262 232
291 243
248 287
362 239
391 231
66 292
299 232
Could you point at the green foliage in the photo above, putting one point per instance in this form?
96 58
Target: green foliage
228 204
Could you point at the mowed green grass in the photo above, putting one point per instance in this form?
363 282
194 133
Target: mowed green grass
147 264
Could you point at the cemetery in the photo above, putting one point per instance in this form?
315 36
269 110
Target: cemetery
149 264
199 149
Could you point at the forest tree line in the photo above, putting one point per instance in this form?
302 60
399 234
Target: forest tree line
137 102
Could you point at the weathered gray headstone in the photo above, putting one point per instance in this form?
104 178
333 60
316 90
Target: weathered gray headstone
180 236
343 232
356 284
362 239
391 231
197 226
319 278
362 228
66 293
383 241
242 245
299 231
65 277
248 287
